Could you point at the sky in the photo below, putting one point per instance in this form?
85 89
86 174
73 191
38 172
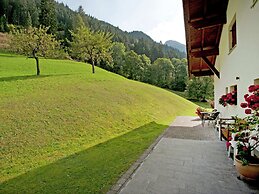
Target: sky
162 20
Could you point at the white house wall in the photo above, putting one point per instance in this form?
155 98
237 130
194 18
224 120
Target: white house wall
243 61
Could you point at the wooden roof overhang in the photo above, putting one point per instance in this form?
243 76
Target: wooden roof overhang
204 20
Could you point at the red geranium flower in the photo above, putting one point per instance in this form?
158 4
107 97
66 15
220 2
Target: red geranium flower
243 105
251 88
248 111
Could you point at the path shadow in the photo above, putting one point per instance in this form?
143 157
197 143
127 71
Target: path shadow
28 77
194 133
93 170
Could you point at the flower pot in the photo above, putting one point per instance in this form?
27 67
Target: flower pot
249 172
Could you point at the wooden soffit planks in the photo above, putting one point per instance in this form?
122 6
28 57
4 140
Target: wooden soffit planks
204 20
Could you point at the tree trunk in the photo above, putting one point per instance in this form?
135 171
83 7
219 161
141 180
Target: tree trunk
93 66
37 61
38 65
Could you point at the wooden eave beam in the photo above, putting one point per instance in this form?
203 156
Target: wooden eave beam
202 73
208 22
211 66
204 53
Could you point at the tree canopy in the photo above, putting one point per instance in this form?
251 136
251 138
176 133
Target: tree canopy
47 15
90 46
200 88
34 42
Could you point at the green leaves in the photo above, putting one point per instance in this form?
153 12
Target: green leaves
25 41
35 42
47 15
91 46
200 88
162 72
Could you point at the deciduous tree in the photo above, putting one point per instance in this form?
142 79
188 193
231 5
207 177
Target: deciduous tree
133 66
200 88
91 46
162 72
34 42
118 56
180 74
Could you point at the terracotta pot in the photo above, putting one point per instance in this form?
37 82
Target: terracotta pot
249 172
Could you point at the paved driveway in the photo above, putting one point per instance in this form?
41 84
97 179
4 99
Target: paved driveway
188 159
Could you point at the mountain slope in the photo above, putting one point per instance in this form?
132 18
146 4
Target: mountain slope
70 130
140 35
177 45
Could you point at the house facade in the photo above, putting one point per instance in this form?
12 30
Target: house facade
238 59
223 41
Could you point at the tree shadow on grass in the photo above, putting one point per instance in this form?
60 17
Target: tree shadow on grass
93 170
28 77
7 54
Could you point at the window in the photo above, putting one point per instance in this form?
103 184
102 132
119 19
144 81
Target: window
226 90
232 34
256 81
233 90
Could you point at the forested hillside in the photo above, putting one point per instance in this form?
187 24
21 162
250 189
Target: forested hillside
27 12
177 45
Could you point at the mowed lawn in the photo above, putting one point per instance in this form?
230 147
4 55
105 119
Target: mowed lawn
71 131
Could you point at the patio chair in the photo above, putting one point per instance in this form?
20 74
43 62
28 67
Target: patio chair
210 117
213 117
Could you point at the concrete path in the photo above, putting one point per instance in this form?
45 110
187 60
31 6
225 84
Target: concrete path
188 159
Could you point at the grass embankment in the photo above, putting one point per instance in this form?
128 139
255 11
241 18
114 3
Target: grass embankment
69 131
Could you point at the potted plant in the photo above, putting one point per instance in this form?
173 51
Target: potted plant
229 98
240 124
247 164
222 100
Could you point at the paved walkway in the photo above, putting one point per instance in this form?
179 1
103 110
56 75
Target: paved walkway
188 159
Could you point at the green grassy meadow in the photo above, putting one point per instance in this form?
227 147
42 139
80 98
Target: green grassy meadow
71 131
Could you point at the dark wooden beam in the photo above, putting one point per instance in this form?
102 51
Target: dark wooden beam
202 73
202 38
205 53
211 66
208 22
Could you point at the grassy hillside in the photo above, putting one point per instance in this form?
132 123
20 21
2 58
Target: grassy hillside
69 130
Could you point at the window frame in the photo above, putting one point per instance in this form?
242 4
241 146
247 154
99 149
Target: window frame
232 34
